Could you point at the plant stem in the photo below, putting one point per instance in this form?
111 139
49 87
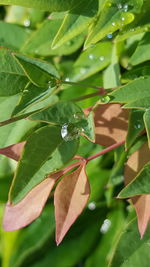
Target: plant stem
104 151
101 89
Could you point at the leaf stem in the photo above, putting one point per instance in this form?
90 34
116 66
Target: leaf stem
101 89
104 151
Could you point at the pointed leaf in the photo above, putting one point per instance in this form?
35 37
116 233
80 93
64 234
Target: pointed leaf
75 23
110 124
70 198
40 41
132 91
47 74
13 151
12 77
44 152
111 18
141 203
27 210
50 5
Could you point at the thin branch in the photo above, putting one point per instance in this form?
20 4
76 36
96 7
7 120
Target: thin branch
101 89
104 151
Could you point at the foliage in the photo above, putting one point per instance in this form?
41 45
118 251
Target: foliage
74 126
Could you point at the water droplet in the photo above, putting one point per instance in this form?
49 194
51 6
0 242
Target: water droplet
105 99
119 6
126 18
105 226
83 70
109 4
67 79
69 132
109 35
91 56
92 205
26 23
137 126
125 7
78 116
123 18
113 24
101 58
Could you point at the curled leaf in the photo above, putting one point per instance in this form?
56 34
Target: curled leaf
70 198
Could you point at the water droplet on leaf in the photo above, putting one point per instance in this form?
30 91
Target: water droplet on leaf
105 99
109 35
26 23
67 79
69 132
101 58
91 56
92 205
105 226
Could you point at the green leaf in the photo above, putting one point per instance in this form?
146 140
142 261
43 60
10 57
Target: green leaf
112 17
130 255
40 41
139 186
147 124
12 77
103 251
111 76
132 91
34 68
45 152
91 61
89 130
15 40
141 53
136 72
75 23
50 5
31 96
135 126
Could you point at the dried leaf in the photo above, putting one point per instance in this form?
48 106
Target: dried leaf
141 203
13 151
70 198
111 124
20 215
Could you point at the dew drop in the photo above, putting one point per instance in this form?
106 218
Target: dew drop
119 6
109 35
91 56
69 132
92 205
101 58
105 226
83 70
125 7
105 99
113 24
26 22
137 126
78 116
67 79
123 18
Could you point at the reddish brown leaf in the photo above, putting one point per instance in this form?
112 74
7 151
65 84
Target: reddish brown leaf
13 151
70 198
20 215
111 124
141 203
